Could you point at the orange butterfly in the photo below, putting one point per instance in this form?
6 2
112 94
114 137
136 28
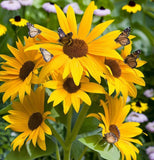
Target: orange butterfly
65 38
131 59
123 37
113 135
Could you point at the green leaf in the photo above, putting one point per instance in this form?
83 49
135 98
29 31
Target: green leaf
77 148
30 152
106 150
36 152
14 155
6 109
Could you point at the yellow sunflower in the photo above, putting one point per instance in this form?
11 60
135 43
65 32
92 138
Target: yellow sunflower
132 7
68 92
19 72
76 57
120 76
18 21
28 118
3 30
139 107
115 131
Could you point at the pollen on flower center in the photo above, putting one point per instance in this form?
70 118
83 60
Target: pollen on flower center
25 70
114 66
17 18
78 48
35 120
131 3
70 86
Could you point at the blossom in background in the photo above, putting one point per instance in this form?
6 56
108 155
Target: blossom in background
49 7
75 7
132 7
150 152
20 71
26 2
102 12
137 117
29 119
68 92
18 21
139 106
115 130
128 99
79 55
10 5
150 127
149 93
3 29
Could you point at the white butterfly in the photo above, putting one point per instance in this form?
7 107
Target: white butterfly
32 30
47 56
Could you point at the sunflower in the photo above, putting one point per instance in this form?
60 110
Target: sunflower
76 57
120 76
19 72
132 7
139 106
28 118
18 21
115 131
68 92
3 30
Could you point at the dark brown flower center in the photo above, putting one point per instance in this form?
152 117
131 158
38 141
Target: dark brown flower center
17 18
114 66
51 3
138 104
70 86
131 3
78 48
25 70
35 120
114 134
102 8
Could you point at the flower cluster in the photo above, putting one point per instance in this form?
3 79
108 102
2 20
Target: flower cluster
71 63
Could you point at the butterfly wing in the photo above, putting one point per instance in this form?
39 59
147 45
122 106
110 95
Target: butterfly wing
123 37
47 56
131 61
136 53
32 30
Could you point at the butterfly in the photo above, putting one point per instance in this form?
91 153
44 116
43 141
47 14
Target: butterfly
131 59
65 38
32 30
47 56
113 135
123 37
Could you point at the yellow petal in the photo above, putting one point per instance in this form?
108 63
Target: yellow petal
62 20
82 95
72 21
67 103
85 24
76 70
76 102
97 31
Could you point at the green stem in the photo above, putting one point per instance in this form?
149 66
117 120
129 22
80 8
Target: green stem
56 134
78 123
76 128
83 152
69 123
57 152
67 152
